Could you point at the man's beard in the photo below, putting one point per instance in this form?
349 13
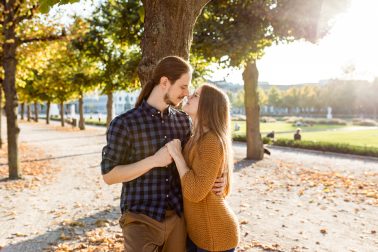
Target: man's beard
169 101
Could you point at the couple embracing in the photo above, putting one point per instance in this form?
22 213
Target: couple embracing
175 166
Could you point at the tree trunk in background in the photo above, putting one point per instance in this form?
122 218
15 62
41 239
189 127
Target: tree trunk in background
28 112
48 105
1 112
109 109
35 111
62 114
81 112
255 148
11 105
23 111
166 32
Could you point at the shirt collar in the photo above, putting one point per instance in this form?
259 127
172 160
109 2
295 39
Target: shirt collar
153 111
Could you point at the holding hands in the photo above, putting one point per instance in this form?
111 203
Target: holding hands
162 157
167 153
174 148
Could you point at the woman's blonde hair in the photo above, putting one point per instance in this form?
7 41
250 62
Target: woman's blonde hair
214 114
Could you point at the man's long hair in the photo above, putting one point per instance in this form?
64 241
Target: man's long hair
172 67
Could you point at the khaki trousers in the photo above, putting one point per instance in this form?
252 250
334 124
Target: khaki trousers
144 234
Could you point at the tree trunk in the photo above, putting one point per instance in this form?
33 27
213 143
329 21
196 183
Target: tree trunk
48 105
22 111
255 148
168 30
81 112
109 109
62 114
1 112
11 105
28 111
35 111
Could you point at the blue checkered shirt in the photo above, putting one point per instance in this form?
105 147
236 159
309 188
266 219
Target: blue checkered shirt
138 134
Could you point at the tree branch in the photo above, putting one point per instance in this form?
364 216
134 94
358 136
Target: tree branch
30 13
41 39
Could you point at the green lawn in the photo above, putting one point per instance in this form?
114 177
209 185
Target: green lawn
265 128
363 137
353 135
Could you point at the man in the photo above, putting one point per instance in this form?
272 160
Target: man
135 155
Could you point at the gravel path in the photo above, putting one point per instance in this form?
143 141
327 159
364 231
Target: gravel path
290 201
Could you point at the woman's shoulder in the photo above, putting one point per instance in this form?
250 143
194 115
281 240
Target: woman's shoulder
210 137
210 141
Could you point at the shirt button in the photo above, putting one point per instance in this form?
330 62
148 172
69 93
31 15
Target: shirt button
167 196
162 121
165 136
152 115
166 180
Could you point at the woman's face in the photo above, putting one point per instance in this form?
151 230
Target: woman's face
191 107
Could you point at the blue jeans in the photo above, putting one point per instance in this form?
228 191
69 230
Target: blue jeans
191 247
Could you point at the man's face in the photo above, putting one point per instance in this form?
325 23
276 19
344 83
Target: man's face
179 90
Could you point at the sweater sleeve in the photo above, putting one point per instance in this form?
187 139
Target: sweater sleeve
199 180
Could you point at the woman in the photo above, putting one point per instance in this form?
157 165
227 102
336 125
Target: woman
211 224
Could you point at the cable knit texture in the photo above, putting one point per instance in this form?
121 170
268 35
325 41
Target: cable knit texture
211 223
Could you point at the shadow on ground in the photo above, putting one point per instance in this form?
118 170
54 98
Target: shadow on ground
52 237
52 158
242 164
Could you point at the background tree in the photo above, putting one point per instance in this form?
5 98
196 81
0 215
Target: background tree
237 32
111 42
168 30
290 99
17 20
1 110
274 97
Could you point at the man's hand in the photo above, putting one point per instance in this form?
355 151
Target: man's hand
162 157
220 185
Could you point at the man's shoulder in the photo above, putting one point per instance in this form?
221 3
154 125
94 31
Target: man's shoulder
125 117
130 113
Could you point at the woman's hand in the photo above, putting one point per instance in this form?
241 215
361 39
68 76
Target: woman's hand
174 148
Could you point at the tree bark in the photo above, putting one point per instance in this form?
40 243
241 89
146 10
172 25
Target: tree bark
28 112
48 105
1 113
35 111
81 112
23 111
62 114
168 30
255 148
11 105
109 109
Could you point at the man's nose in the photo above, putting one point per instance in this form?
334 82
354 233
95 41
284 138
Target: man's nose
186 92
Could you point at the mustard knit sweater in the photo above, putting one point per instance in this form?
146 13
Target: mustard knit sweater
211 223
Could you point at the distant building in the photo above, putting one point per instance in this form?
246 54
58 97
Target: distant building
122 102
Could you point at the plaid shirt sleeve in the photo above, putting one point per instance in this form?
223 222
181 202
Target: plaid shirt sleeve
114 152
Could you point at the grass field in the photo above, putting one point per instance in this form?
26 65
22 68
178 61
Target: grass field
353 135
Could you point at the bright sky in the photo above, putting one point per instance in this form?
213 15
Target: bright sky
352 41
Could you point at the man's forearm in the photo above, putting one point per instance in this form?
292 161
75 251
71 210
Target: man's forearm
125 173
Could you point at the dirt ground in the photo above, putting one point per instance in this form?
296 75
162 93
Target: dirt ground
291 201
